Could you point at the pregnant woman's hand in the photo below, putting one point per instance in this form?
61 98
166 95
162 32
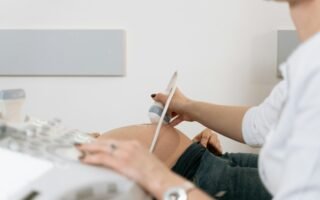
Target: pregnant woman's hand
209 139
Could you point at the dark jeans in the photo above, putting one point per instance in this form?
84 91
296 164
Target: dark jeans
229 177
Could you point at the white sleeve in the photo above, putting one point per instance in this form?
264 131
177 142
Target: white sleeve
258 120
301 177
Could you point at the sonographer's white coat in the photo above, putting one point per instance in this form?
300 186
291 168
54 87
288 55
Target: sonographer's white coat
25 168
289 159
225 52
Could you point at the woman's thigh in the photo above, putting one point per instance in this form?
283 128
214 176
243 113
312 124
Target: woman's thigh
242 159
217 175
170 145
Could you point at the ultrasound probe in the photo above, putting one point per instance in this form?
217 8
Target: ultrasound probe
170 91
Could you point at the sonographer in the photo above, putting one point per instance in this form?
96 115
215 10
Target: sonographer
286 125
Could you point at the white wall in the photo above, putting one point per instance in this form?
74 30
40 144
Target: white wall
223 49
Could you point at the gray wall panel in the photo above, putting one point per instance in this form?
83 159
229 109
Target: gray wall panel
62 52
288 41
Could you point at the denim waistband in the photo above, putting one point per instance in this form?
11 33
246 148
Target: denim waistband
189 161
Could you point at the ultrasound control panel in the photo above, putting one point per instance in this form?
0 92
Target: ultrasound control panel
44 139
67 179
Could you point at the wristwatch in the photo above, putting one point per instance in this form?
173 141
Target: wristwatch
178 192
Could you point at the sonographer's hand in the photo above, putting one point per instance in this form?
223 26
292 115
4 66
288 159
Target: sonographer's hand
177 107
209 139
133 160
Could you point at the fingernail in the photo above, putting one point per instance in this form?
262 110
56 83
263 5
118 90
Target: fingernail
83 155
153 95
77 144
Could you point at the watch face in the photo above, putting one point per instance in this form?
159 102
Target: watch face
176 194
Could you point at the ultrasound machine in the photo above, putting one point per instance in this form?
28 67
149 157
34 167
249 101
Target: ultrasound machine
38 161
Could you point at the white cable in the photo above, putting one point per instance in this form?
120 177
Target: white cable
156 135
